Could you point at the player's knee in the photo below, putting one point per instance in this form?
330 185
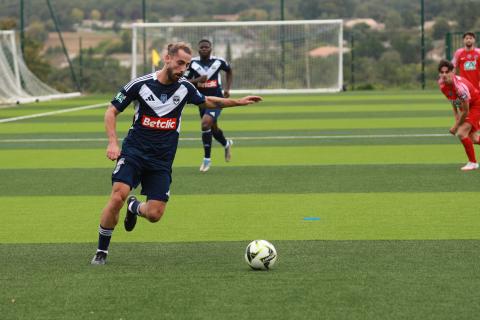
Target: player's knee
207 123
462 134
155 213
118 199
464 131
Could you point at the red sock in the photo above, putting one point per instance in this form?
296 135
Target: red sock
469 150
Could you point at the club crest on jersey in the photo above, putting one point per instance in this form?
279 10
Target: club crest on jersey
176 99
163 97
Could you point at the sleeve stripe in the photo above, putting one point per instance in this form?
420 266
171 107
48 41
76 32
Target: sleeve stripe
134 81
184 81
462 90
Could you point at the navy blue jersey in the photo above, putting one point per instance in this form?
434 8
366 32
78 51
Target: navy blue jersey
154 133
211 68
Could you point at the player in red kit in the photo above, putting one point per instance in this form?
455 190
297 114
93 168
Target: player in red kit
465 99
467 60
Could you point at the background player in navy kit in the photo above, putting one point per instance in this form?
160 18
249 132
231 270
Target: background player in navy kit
204 73
149 149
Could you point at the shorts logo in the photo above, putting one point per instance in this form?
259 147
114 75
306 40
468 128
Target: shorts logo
120 97
119 164
163 97
159 123
176 99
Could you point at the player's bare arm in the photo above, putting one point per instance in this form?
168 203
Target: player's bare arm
110 119
228 85
455 113
200 79
460 116
212 102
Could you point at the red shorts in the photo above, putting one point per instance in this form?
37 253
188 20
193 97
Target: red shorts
473 118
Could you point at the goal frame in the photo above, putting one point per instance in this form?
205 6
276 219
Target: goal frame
22 95
135 37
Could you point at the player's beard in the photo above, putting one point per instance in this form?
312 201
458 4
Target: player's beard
173 77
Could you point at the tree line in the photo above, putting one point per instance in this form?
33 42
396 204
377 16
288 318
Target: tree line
384 58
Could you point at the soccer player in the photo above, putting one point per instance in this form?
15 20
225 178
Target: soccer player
465 99
148 150
204 73
467 60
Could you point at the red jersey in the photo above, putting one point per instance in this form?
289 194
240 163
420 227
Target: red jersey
460 90
468 64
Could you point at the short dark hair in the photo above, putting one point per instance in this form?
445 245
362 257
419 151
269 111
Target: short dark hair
173 48
471 34
205 40
445 63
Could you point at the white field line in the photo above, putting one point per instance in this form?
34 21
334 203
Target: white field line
37 115
315 137
324 137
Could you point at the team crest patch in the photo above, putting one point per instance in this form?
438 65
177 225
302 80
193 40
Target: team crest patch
120 97
163 97
176 99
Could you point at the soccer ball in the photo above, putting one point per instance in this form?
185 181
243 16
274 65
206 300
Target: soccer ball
260 255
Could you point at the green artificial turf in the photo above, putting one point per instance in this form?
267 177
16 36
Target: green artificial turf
210 280
395 236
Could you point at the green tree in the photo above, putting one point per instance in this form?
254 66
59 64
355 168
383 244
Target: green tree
365 72
408 45
100 75
254 15
368 43
371 9
34 59
77 15
95 14
388 64
37 32
394 21
8 24
440 28
467 13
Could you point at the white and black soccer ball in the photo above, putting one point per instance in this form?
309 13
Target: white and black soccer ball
260 255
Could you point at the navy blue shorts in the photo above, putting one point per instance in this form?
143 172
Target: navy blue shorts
155 183
214 113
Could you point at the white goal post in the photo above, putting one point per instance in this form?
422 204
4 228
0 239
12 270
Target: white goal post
17 83
293 56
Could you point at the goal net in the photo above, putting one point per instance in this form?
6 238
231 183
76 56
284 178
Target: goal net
17 83
266 56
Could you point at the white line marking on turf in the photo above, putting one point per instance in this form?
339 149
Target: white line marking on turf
363 136
30 116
